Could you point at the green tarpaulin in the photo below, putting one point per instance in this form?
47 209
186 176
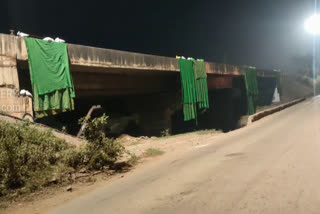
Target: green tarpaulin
252 89
52 84
194 87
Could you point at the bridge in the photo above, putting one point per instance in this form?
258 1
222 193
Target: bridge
131 83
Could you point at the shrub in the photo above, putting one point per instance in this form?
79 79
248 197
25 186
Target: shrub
31 159
100 151
25 152
165 133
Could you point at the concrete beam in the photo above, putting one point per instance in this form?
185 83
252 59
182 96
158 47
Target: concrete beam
105 58
91 59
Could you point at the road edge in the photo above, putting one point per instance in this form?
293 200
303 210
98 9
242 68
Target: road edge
258 116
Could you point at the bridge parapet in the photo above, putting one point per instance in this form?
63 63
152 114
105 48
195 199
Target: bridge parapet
82 58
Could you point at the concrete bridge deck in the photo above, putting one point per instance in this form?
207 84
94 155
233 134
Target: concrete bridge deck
115 61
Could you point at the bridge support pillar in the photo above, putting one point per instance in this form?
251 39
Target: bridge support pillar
11 102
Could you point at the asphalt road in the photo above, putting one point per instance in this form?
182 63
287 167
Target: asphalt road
271 167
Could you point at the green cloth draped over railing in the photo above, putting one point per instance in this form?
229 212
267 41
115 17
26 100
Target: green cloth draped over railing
188 89
201 84
53 103
52 85
194 87
252 89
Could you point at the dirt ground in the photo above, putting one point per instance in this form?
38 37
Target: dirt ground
167 144
271 166
144 148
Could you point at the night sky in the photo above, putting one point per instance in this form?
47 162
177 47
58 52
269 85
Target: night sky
262 33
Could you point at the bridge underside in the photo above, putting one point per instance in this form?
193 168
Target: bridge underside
155 97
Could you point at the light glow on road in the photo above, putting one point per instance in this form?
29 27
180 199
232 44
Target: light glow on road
312 24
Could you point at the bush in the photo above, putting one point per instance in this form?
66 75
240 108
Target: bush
99 152
25 152
31 159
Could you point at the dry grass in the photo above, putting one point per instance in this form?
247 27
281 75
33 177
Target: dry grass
153 152
209 131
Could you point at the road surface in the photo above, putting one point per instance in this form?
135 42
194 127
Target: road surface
273 166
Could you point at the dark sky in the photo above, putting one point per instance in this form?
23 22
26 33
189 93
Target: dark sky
262 33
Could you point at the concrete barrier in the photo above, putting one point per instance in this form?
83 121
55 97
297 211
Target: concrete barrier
262 114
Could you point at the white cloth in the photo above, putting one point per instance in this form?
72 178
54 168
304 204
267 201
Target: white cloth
48 39
24 92
276 96
21 34
28 94
59 40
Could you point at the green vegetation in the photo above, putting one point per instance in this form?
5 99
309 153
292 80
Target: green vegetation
153 152
165 133
31 159
133 160
28 157
100 152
